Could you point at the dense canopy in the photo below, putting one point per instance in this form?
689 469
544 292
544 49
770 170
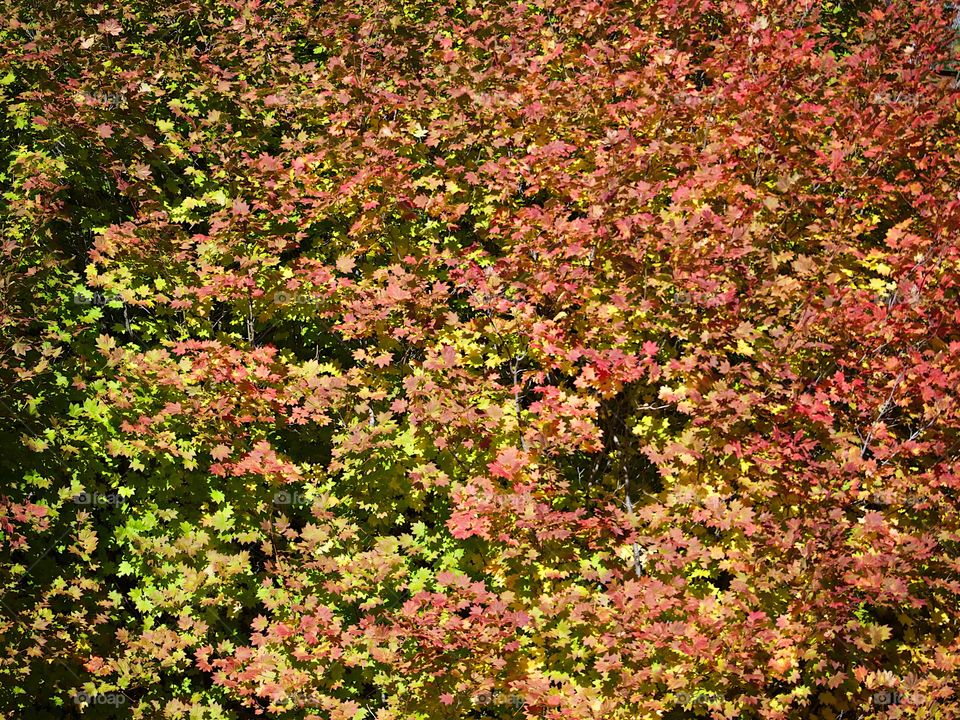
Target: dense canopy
389 359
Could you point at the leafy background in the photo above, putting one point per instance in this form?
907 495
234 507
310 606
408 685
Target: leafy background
399 359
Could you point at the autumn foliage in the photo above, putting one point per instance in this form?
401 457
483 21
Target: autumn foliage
389 359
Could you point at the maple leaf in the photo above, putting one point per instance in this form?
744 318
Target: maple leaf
508 463
110 27
466 524
383 360
221 452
